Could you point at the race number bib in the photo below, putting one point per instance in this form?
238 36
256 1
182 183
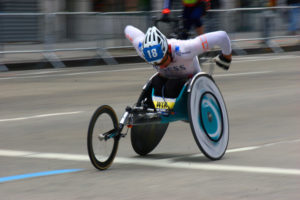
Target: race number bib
153 53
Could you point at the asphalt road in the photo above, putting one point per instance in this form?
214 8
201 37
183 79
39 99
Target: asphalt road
44 116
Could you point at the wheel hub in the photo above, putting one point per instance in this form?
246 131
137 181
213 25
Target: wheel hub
210 116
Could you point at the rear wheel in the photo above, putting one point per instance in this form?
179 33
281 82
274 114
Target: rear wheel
208 117
103 137
144 138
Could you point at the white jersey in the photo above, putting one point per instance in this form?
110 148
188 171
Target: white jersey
184 52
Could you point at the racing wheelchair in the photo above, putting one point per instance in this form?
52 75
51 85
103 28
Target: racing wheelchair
199 103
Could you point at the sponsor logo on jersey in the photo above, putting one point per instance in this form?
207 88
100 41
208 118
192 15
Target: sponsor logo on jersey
140 46
179 52
175 68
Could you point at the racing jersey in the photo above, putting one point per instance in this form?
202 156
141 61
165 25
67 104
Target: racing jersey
184 53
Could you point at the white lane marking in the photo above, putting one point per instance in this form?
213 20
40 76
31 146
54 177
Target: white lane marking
56 156
260 58
76 112
136 69
242 149
32 154
250 57
242 74
169 162
40 116
39 72
76 73
255 60
123 70
209 167
250 148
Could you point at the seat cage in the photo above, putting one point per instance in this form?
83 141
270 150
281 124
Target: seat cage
180 109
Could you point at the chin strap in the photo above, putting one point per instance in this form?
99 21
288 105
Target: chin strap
170 52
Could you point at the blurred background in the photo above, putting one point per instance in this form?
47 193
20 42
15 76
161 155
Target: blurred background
45 113
86 26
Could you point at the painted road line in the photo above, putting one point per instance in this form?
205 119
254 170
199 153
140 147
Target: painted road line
32 154
242 149
239 60
208 167
263 57
58 156
75 73
82 157
169 162
37 174
40 116
39 72
124 70
250 148
243 74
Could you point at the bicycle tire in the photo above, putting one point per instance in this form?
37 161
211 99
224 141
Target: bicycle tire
104 119
208 117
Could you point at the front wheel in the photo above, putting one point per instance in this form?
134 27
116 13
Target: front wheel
208 117
103 137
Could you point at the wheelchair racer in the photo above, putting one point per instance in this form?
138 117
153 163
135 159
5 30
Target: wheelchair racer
176 60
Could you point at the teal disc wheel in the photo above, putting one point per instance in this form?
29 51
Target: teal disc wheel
208 116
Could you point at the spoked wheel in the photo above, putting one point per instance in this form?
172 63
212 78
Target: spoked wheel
208 117
103 137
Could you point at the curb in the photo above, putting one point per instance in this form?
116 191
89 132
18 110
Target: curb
84 62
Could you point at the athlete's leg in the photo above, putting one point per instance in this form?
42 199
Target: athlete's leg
187 23
200 30
157 83
199 25
173 87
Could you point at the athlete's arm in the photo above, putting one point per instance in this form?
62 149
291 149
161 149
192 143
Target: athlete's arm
136 37
208 41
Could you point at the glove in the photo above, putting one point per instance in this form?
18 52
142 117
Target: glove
222 62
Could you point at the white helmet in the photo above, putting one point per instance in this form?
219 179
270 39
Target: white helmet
155 46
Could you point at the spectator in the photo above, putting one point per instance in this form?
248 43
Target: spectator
193 10
294 16
213 18
267 19
243 18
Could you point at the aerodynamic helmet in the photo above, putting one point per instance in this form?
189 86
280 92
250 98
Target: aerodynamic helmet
155 46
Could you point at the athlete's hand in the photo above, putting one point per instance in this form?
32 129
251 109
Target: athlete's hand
223 61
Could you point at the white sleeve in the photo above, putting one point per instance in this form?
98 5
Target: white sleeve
136 37
208 41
